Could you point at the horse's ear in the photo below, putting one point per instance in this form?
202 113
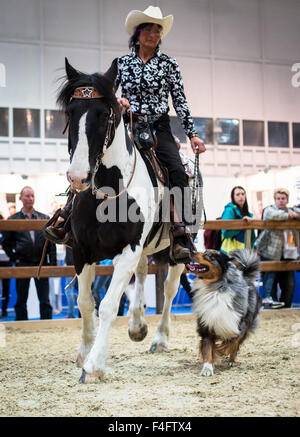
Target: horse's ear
71 72
112 72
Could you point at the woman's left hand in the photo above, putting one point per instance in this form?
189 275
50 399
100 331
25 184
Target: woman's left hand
248 219
198 145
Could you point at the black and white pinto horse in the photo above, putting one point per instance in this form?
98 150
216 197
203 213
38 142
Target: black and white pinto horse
103 160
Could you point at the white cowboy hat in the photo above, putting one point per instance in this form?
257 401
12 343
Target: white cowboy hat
152 14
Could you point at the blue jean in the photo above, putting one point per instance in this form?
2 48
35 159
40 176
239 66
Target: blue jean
71 298
268 280
104 282
100 282
286 282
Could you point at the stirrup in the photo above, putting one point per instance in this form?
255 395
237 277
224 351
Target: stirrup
179 230
50 235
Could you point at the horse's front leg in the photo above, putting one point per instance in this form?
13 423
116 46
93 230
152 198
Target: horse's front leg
160 342
137 326
86 306
124 267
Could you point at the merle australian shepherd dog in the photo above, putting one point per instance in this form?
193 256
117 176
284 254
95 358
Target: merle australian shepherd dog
226 303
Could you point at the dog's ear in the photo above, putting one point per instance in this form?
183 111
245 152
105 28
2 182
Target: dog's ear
223 260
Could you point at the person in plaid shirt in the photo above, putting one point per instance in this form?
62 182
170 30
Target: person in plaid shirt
276 245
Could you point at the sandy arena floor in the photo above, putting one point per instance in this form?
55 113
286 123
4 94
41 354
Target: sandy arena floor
38 375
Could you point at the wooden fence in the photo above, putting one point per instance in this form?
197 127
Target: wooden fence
159 271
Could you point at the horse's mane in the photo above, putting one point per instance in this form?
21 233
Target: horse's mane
103 84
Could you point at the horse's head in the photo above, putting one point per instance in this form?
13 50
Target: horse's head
93 112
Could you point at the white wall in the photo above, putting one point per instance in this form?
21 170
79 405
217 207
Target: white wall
236 53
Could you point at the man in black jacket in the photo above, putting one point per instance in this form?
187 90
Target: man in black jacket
24 248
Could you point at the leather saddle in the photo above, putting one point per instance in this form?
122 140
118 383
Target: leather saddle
160 171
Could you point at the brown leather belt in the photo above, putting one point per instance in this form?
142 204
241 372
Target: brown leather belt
138 118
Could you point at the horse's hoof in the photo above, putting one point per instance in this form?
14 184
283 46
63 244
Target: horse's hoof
79 361
82 378
155 347
91 377
138 335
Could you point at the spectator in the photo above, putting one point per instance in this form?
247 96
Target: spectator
70 291
24 248
237 209
4 262
103 282
276 245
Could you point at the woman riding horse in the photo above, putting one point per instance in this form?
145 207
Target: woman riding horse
147 76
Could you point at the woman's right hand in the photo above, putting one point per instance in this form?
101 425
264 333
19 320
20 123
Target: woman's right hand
124 104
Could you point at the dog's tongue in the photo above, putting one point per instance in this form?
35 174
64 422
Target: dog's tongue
196 268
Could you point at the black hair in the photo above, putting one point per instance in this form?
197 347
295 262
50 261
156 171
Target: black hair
134 39
102 83
245 209
223 260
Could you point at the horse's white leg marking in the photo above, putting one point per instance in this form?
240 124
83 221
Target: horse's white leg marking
125 265
137 326
207 369
86 306
171 284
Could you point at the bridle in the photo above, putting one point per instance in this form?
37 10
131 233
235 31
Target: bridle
87 93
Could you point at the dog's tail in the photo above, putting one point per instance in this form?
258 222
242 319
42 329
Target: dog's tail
248 261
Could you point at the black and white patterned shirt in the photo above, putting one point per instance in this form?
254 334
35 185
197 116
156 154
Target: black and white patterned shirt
147 86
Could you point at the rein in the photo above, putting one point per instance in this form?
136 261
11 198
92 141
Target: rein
97 191
197 192
88 92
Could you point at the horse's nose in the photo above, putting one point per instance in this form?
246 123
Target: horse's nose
78 182
87 179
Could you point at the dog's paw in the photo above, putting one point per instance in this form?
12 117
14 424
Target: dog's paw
207 370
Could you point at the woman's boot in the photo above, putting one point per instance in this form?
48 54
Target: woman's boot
61 234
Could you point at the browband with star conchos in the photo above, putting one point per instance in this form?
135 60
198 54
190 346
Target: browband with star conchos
86 92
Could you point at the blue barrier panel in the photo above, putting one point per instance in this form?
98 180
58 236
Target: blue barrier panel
182 298
296 297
